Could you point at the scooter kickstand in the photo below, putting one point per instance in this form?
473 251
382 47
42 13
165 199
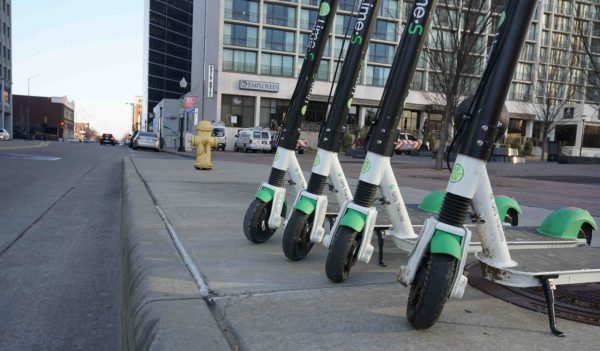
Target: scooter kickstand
380 244
549 287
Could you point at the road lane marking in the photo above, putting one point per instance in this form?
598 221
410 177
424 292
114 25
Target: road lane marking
43 144
28 157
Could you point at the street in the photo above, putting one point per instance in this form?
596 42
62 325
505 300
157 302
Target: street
59 245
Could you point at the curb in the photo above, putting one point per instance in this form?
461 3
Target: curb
180 154
161 307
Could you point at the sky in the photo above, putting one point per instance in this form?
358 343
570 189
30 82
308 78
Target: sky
91 51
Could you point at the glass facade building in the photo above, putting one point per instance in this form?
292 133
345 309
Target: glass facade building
256 45
168 51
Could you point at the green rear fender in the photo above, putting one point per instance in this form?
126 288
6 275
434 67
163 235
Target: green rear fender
354 219
306 205
505 203
565 223
446 243
265 194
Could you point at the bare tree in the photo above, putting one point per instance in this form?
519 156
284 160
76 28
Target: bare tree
456 56
553 96
588 58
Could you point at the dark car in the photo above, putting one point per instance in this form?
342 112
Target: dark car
107 138
135 133
301 145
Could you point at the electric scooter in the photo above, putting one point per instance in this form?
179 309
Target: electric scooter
310 206
435 267
267 211
349 239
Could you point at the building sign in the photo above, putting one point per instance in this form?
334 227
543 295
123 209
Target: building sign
260 86
569 111
211 81
189 103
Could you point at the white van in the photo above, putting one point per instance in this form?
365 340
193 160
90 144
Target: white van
219 132
252 139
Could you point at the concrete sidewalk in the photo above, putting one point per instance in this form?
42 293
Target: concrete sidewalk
259 300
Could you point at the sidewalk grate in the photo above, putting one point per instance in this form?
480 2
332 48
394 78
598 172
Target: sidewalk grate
577 302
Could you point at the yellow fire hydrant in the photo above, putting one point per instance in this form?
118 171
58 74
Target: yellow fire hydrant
203 141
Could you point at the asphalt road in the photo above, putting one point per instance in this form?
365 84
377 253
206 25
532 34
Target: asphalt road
59 236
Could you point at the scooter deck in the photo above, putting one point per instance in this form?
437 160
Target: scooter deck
519 238
516 237
564 266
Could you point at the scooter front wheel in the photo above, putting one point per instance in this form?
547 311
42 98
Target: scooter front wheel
430 289
343 253
296 237
256 222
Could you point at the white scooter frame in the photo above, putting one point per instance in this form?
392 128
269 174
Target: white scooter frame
286 161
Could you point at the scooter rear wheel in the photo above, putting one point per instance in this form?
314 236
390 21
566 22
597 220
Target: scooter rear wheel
343 253
296 237
256 222
430 289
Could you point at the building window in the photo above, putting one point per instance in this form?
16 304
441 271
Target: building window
308 18
388 8
279 40
381 53
346 5
280 15
310 2
339 43
342 22
591 136
304 42
240 35
523 71
277 65
322 73
272 112
237 111
242 10
377 75
239 61
384 30
418 82
519 92
566 134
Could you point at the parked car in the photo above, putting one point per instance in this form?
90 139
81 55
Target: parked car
219 132
135 132
407 143
301 145
73 141
107 138
253 139
4 134
146 140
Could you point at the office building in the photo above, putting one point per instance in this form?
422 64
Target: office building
167 52
247 55
41 117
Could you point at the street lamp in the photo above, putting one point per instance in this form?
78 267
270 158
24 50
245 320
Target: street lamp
582 134
132 116
160 122
183 84
29 102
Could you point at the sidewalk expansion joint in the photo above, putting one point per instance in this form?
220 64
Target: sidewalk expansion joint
293 291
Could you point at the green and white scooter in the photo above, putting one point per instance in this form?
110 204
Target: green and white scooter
349 239
435 267
310 206
267 211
